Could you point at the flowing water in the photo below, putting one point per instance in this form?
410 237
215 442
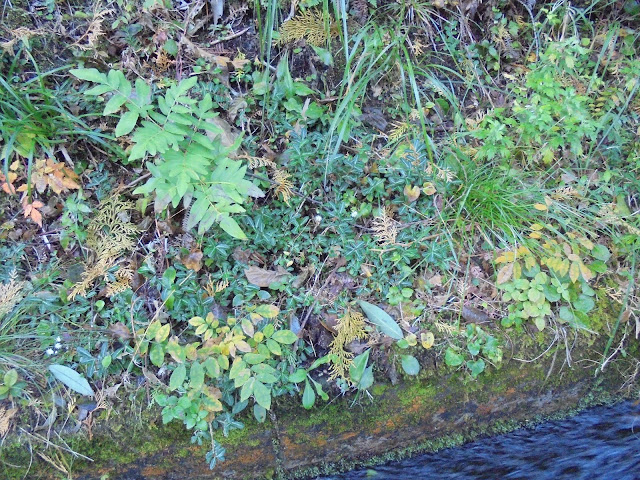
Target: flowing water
602 443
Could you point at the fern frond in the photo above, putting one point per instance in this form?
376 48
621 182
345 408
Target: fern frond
10 293
446 328
385 228
398 130
284 186
350 327
110 235
257 162
307 25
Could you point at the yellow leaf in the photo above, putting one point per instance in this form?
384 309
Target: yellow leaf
586 243
536 227
529 262
535 235
586 273
505 273
517 270
573 257
574 272
427 340
428 188
510 256
540 206
411 193
501 259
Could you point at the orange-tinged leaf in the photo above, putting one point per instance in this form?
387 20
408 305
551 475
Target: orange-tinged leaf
574 271
505 273
586 273
193 261
36 216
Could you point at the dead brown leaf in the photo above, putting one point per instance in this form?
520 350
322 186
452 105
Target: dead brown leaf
5 419
193 261
120 330
263 278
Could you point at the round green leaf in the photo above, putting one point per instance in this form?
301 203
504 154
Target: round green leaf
286 337
410 365
452 358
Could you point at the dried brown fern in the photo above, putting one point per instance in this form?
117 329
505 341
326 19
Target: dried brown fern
308 25
385 228
350 327
10 294
110 235
283 187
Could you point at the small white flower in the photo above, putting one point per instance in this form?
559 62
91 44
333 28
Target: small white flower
354 214
49 351
58 339
317 218
57 346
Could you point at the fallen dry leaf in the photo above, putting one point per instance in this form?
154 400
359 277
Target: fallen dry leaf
263 278
120 330
193 261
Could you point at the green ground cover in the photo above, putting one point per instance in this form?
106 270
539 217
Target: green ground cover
211 206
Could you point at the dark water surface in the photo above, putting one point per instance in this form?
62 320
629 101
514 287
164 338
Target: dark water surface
599 443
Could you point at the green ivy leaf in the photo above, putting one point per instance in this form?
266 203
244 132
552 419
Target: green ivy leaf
476 367
452 358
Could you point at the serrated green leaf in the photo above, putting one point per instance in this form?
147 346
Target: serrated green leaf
381 319
247 389
196 376
127 123
178 377
262 394
286 337
156 354
71 379
274 347
89 75
298 376
230 226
